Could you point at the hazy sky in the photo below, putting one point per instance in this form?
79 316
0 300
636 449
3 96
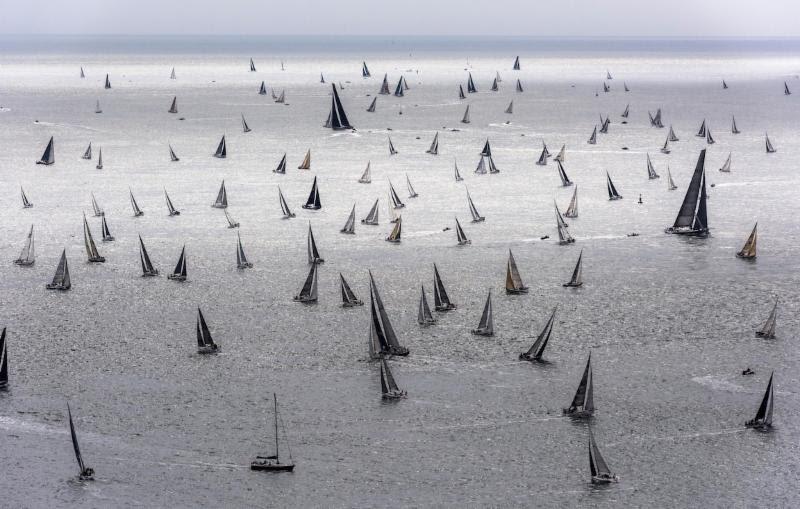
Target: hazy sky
405 17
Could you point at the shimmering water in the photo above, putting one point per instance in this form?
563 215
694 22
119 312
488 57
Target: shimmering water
669 321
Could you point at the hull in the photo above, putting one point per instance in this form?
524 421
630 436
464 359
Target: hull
247 265
577 414
298 298
264 466
216 206
371 223
759 426
51 286
176 277
24 263
745 256
352 304
109 238
765 335
394 395
206 350
150 273
97 259
137 214
445 308
399 351
480 219
464 243
565 242
572 285
526 357
687 231
482 332
604 479
517 291
175 213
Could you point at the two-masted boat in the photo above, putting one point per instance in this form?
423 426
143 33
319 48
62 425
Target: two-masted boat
763 419
692 217
272 462
205 343
582 405
535 352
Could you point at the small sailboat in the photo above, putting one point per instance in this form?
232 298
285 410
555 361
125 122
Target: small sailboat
3 360
651 171
767 330
179 274
98 212
724 85
174 107
487 149
313 202
701 133
606 88
461 236
582 405
534 353
604 123
252 66
137 212
364 71
671 136
28 255
626 112
456 173
287 214
349 298
692 217
593 138
748 251
572 209
394 236
519 86
49 155
231 222
385 86
170 208
786 89
625 87
565 181
100 159
411 192
107 237
770 148
83 75
26 204
514 284
147 265
665 148
281 168
88 153
372 216
563 234
392 150
763 419
396 202
222 197
476 217
577 274
245 127
471 85
734 129
97 108
516 64
461 94
172 157
272 462
350 225
86 473
172 74
465 119
434 150
709 138
389 388
108 83
281 98
542 161
561 156
670 183
241 258
371 108
311 247
486 324
726 167
424 315
222 149
510 109
612 191
61 279
205 343
383 339
366 177
495 86
598 468
337 118
656 120
306 164
441 301
399 90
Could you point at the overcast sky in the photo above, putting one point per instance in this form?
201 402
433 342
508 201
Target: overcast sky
734 18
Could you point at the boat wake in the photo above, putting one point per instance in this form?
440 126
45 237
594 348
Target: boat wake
74 126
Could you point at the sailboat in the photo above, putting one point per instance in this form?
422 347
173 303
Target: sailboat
97 108
387 342
100 159
396 202
337 118
434 150
604 125
534 353
424 315
107 237
137 212
670 183
471 85
172 157
461 236
542 161
170 208
612 191
770 148
516 64
372 217
724 85
88 153
763 419
108 83
598 468
83 75
252 66
561 156
49 155
651 171
441 301
514 284
366 177
384 86
461 94
287 214
147 266
701 133
486 325
281 168
86 473
389 388
172 74
726 167
495 86
572 209
281 98
465 119
519 86
350 225
245 127
565 181
487 148
510 109
692 217
393 215
28 256
656 120
671 135
392 150
205 343
371 108
476 217
411 192
61 280
231 222
313 202
786 89
241 258
179 274
26 204
563 234
767 330
98 212
306 164
748 251
394 236
3 360
364 71
665 148
349 298
222 197
626 112
734 129
709 138
174 107
625 87
311 247
222 149
593 138
272 462
606 88
457 175
582 405
399 91
577 274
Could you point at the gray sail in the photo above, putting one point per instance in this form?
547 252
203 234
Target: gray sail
241 259
222 149
612 190
366 177
222 197
593 137
97 210
371 108
311 247
28 256
671 136
767 330
424 315
486 324
147 265
726 167
88 153
476 217
396 202
572 209
107 237
536 350
337 119
135 206
461 237
651 171
597 465
565 181
287 213
281 168
411 192
583 402
514 284
577 274
465 119
516 64
349 298
232 223
770 148
245 127
510 109
174 106
441 300
395 235
734 129
179 274
563 234
49 155
392 150
172 157
456 173
350 225
372 216
385 86
434 150
393 346
100 159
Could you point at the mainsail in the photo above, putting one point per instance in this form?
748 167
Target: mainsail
49 155
441 301
311 247
313 202
514 284
389 344
692 217
748 251
536 350
222 197
61 280
510 108
583 403
486 324
241 259
337 119
350 225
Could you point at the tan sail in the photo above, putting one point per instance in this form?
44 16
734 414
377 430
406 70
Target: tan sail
513 280
306 164
749 249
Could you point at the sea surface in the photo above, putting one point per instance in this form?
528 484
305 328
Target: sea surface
669 321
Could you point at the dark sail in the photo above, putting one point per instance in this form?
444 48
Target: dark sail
222 149
763 418
3 359
536 350
313 202
337 119
179 274
583 403
349 298
692 217
49 155
147 265
516 64
86 473
384 325
441 300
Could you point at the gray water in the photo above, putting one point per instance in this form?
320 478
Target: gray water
669 321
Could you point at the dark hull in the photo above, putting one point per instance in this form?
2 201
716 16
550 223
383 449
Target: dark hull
176 277
312 207
687 232
517 291
97 259
572 285
271 467
352 304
